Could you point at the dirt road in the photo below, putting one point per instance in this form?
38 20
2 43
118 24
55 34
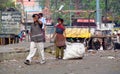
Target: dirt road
105 62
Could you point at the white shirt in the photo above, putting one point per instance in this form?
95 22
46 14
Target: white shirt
43 20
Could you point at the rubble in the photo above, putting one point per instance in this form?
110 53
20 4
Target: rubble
111 57
13 60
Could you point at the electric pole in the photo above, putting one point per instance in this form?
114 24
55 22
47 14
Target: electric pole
70 13
106 8
98 14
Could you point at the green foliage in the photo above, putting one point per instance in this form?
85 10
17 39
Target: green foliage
113 8
6 4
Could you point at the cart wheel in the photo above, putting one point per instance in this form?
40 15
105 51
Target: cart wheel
95 44
108 44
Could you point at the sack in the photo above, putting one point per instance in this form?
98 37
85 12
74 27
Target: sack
74 50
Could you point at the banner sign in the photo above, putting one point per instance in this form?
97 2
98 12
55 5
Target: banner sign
10 22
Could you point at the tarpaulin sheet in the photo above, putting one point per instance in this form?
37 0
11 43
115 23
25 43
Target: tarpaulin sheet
77 33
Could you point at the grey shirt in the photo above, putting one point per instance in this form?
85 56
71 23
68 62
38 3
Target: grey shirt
37 33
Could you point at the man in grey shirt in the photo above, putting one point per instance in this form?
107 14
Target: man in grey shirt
37 40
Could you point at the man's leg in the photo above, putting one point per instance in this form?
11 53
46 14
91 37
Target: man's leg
44 36
41 51
32 51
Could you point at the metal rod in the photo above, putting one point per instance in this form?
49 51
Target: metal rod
106 12
70 14
56 16
89 17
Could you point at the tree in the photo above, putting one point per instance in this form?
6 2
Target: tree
113 8
6 4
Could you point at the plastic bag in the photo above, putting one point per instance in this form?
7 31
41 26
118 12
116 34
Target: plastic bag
74 50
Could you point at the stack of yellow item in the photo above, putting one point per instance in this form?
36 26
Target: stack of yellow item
77 33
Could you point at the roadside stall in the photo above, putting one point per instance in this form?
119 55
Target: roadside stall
100 40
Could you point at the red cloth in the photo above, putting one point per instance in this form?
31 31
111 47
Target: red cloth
60 40
60 26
